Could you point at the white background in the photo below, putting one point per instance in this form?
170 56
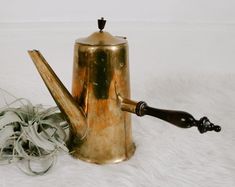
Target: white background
189 11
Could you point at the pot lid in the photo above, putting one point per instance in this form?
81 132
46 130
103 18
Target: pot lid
101 38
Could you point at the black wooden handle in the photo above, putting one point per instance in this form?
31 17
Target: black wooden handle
178 118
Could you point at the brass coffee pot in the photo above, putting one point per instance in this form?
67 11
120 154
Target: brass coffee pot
99 108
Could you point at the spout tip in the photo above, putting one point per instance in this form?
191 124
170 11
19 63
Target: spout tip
34 54
32 51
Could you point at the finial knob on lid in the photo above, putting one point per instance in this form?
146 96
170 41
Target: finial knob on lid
101 23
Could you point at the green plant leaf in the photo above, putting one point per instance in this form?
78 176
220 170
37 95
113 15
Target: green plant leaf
31 133
7 118
5 133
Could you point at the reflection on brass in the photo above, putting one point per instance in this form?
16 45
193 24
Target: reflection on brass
97 72
127 104
62 97
100 130
99 108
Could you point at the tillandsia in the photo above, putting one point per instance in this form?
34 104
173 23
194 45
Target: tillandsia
31 134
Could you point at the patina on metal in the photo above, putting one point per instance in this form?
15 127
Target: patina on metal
100 69
99 108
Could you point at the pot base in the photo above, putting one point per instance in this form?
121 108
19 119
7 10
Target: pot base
76 154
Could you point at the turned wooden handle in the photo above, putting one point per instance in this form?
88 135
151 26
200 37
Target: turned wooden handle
178 118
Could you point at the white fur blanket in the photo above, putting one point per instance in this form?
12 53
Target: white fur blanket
165 155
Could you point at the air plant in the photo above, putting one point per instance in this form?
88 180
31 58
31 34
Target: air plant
31 134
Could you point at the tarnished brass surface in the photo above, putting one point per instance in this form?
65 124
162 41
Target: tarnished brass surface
127 104
101 39
100 73
60 94
100 131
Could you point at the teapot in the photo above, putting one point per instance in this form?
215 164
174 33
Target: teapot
98 110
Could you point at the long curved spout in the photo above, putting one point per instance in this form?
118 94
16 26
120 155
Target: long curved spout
60 94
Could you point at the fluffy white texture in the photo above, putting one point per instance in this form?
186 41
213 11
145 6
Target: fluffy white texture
165 155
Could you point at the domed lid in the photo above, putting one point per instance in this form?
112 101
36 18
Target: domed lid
101 38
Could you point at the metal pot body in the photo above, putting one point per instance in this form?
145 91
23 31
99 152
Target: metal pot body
100 72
